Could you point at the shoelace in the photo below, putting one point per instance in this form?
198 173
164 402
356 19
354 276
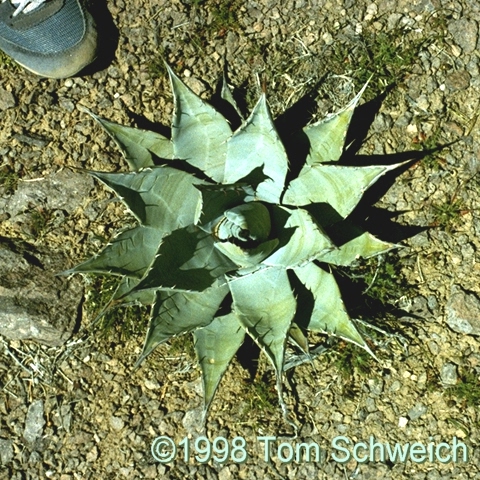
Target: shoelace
24 6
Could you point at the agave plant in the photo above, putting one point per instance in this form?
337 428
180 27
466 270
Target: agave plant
225 243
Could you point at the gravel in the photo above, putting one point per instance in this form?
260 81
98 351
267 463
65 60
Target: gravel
78 409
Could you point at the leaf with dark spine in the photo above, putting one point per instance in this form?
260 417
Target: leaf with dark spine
353 242
161 197
329 314
123 297
215 345
257 144
186 260
265 304
227 95
307 242
199 132
129 253
327 137
181 312
342 187
126 294
136 145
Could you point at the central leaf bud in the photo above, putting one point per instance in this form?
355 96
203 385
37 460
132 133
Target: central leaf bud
244 224
242 233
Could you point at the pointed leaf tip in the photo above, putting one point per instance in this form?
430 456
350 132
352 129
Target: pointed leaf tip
340 186
136 145
258 144
326 138
181 312
215 346
329 314
265 304
199 132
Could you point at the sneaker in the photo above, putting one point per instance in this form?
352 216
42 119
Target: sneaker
52 38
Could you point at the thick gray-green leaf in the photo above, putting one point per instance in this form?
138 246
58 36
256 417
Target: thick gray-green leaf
181 312
256 143
187 260
327 137
162 197
265 304
340 186
307 242
215 345
135 144
353 242
329 314
129 253
199 132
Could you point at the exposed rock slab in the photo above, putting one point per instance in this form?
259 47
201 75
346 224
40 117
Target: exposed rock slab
35 304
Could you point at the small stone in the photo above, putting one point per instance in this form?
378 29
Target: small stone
417 411
433 347
7 100
448 374
195 84
342 428
116 423
66 104
402 422
232 42
34 422
92 455
458 80
463 312
370 405
31 140
376 386
393 20
465 32
6 451
191 421
225 474
151 384
432 302
395 386
337 417
372 10
327 37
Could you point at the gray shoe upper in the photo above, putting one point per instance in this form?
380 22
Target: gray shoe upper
57 39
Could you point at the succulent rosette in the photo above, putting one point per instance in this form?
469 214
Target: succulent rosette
225 243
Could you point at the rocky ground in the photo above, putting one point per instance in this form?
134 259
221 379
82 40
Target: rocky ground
72 407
